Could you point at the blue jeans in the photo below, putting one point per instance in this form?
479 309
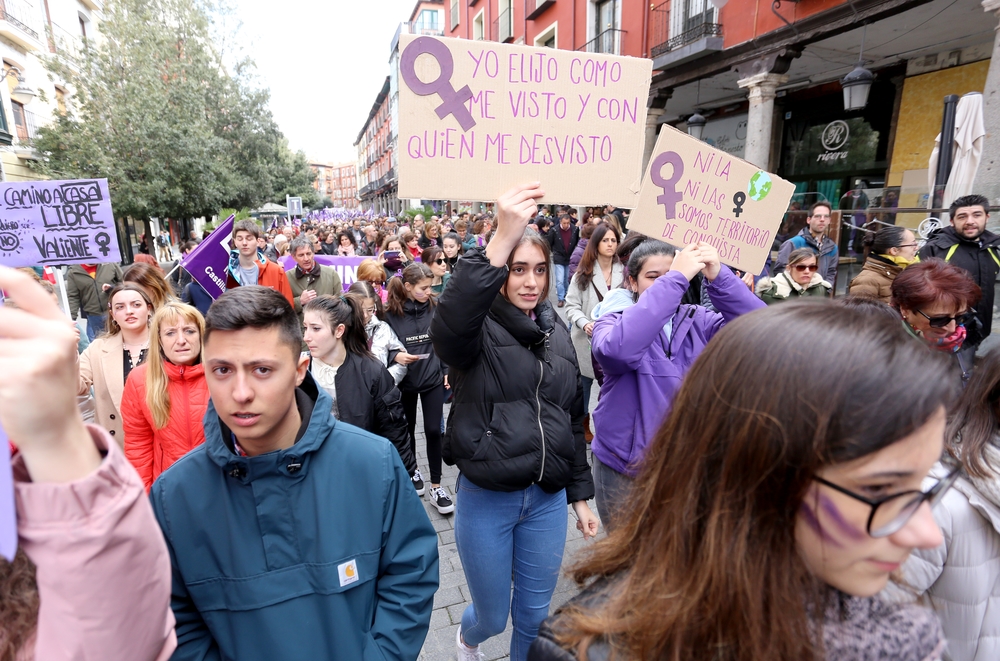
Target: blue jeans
95 325
502 533
611 493
588 384
562 279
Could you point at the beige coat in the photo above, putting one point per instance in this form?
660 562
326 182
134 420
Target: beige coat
580 304
101 366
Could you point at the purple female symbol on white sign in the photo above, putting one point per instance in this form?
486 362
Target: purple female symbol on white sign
453 101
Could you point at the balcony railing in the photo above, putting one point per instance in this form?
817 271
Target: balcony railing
424 29
671 35
17 15
65 43
25 126
534 8
609 41
503 27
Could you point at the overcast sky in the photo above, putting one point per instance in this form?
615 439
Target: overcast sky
324 63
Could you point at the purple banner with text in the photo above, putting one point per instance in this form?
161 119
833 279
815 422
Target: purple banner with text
57 222
347 267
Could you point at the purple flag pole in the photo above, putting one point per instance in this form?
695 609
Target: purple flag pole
8 511
209 261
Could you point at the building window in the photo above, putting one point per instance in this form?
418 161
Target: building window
547 37
478 31
454 14
61 101
693 14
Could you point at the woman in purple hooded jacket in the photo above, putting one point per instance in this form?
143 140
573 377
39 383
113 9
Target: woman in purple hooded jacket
645 341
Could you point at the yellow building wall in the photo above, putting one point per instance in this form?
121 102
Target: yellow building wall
17 169
920 114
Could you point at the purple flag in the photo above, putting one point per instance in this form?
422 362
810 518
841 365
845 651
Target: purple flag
208 262
8 513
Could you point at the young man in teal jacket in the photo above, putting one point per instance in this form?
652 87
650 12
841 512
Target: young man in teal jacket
291 535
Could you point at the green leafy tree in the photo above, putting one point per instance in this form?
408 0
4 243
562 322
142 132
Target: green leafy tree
293 177
156 111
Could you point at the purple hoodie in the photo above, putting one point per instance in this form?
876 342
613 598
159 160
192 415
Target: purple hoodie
645 350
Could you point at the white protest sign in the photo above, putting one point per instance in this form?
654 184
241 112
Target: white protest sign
478 117
694 192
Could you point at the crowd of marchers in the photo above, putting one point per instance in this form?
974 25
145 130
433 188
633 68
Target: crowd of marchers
778 472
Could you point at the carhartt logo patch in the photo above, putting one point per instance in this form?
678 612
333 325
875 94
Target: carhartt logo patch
348 572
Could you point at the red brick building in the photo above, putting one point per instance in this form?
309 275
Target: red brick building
338 181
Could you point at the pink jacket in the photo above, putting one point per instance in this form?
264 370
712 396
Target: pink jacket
103 569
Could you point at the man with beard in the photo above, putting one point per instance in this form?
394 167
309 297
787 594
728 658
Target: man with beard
968 245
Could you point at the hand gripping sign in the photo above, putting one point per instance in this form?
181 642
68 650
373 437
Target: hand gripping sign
694 192
477 117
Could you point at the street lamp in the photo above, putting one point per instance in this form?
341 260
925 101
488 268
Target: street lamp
856 86
858 83
696 125
21 93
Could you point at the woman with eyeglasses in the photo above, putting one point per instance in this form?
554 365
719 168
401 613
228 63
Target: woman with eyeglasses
890 250
434 257
771 513
962 576
800 278
937 303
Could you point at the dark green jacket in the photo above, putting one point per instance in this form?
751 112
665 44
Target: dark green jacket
86 295
321 551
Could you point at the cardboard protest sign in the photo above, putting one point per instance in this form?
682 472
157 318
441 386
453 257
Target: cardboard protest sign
478 117
347 267
57 222
209 261
694 192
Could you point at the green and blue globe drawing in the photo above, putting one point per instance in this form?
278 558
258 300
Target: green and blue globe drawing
760 186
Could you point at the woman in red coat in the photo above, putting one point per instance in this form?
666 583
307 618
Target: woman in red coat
166 397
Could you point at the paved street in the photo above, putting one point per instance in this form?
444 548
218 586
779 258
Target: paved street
453 595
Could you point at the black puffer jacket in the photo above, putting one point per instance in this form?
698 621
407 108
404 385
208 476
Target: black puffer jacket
517 415
413 330
367 397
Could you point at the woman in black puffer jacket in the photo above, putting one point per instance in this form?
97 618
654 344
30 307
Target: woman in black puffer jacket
515 429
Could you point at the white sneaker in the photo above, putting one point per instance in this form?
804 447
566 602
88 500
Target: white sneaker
418 482
441 500
466 653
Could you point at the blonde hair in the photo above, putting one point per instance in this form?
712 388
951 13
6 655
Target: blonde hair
157 395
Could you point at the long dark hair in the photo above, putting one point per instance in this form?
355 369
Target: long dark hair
707 560
364 289
585 271
343 310
397 294
887 236
976 419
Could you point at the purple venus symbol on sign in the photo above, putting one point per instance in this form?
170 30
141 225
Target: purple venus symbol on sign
670 196
453 101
